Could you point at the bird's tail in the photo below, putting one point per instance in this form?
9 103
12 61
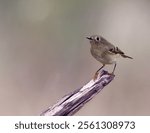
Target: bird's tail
125 56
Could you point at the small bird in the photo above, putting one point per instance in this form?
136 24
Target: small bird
104 52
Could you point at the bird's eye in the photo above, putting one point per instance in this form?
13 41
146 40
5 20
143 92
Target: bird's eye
97 38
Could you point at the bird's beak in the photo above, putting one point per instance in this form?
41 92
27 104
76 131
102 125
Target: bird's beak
89 38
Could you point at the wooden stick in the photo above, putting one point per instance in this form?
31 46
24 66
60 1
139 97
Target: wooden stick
72 102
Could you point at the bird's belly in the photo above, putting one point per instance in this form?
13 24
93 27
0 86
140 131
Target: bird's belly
103 58
108 59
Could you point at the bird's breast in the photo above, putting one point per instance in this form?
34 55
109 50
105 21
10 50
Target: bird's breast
103 56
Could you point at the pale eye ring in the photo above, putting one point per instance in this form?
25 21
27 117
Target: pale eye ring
97 38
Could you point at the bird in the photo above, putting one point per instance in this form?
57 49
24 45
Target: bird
104 52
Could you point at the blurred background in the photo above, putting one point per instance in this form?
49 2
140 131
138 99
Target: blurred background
44 54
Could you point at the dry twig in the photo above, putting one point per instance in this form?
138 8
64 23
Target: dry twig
72 102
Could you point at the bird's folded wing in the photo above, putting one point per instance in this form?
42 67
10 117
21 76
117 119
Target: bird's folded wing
115 50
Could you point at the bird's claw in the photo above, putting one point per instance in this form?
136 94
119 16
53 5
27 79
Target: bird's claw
95 76
112 74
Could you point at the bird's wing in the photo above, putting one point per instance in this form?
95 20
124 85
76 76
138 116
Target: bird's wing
116 50
111 49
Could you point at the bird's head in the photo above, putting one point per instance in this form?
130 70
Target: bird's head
94 39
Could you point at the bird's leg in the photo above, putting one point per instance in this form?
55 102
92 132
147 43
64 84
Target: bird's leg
96 74
114 68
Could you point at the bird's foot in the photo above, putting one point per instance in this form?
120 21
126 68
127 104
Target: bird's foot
102 73
111 74
95 76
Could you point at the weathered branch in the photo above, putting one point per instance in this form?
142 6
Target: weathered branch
72 102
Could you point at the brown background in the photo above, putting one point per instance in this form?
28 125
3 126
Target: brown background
44 54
